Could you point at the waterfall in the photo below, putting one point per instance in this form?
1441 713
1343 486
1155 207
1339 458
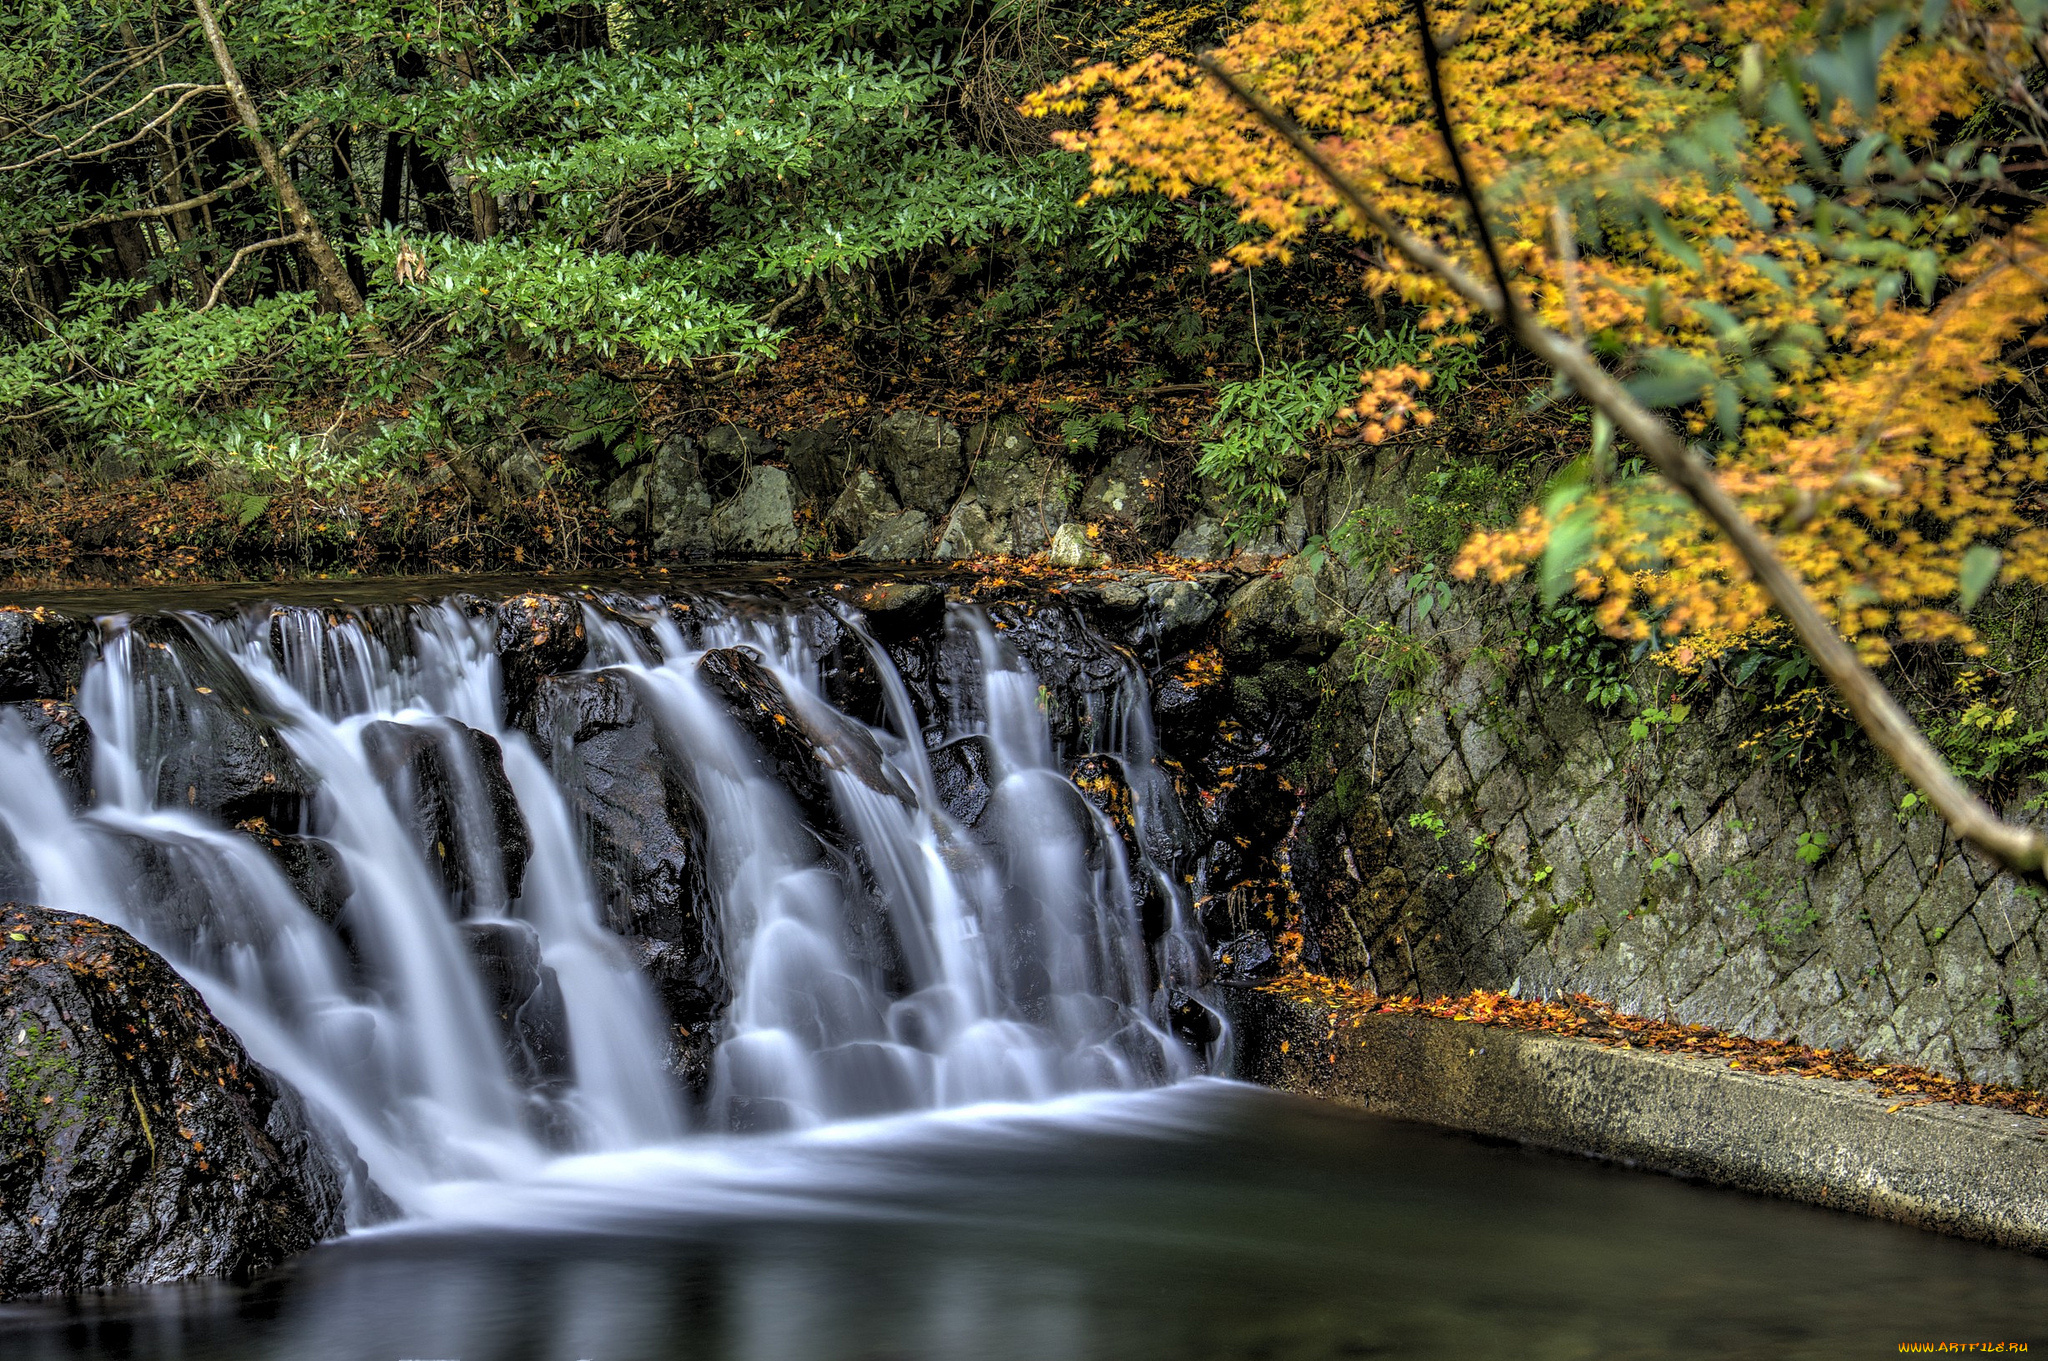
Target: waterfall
732 868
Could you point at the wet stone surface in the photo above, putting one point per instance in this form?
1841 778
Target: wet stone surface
137 1140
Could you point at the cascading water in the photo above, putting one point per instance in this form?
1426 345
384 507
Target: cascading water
372 849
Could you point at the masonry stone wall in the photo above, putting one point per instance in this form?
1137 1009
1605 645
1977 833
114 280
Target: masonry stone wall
1520 839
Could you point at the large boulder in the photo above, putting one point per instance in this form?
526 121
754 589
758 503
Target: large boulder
899 538
638 822
1203 540
924 457
1129 489
820 461
970 533
138 1142
682 499
42 653
447 782
727 452
1023 492
1286 614
761 519
864 503
628 499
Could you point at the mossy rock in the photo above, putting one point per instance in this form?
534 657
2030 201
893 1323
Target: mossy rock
138 1141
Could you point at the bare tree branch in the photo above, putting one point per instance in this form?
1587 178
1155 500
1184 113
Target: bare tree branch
67 149
2020 849
285 148
235 263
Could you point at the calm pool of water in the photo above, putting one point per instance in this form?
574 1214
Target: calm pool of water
1207 1221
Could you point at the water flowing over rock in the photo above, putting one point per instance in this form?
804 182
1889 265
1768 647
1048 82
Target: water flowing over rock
493 879
138 1142
449 782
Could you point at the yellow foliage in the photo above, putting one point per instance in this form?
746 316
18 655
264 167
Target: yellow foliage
1835 323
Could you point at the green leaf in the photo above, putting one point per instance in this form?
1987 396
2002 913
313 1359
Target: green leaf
1979 569
1571 543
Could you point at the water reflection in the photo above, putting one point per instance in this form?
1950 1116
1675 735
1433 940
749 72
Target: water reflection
1207 1221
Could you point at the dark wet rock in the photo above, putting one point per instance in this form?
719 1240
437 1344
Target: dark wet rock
961 771
1129 489
1103 782
1083 674
42 653
447 782
641 834
820 460
525 998
728 452
924 459
538 635
315 871
900 609
899 538
802 745
1245 957
1178 614
17 878
66 741
138 1142
1187 707
214 744
864 504
1193 1023
760 520
846 669
639 824
681 498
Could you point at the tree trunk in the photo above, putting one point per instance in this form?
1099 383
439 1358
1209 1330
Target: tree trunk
337 291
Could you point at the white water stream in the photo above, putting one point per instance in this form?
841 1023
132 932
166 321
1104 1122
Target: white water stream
1016 971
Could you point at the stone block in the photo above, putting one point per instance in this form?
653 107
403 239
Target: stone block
1483 750
1499 798
1945 899
1888 895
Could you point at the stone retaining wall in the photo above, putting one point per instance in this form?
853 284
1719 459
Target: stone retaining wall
1486 831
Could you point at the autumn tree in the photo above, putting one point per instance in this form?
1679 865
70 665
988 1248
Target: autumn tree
1809 235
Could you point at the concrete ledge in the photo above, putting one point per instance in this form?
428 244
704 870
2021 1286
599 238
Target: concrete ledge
1968 1171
